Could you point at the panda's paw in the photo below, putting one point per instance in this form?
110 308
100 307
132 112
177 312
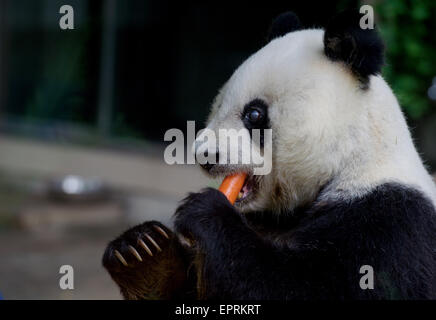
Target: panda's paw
137 247
203 213
147 262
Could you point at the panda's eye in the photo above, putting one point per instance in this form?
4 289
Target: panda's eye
254 116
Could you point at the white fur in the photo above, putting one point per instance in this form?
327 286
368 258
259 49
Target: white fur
325 127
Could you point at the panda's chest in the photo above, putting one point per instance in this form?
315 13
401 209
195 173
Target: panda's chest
276 231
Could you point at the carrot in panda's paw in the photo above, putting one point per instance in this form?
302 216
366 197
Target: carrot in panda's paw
232 185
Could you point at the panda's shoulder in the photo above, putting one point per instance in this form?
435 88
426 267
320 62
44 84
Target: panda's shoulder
389 209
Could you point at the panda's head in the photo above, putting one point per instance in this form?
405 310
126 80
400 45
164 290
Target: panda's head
320 93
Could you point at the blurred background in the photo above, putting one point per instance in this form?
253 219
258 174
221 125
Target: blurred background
83 113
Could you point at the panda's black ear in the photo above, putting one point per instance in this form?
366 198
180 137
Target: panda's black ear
283 24
361 49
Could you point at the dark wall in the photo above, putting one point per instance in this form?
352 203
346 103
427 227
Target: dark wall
170 59
173 59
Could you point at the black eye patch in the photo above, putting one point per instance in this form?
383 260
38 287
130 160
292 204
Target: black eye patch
255 116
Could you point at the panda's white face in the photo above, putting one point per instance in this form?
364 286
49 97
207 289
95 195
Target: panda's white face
325 127
297 83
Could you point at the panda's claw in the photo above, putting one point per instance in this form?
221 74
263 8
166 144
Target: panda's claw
121 258
135 253
161 231
153 242
138 247
146 248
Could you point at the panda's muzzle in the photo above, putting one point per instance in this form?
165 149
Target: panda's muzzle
249 188
216 169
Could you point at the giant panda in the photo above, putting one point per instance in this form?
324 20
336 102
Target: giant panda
347 189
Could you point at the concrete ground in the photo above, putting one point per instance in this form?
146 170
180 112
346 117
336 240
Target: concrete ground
30 266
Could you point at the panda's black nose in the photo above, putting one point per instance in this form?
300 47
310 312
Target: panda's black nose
209 165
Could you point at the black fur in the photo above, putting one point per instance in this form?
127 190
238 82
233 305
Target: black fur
361 49
392 229
283 24
317 256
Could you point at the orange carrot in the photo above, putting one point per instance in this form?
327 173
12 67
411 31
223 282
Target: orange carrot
232 185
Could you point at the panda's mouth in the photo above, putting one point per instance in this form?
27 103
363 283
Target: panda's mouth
248 190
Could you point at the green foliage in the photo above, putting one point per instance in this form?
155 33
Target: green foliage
409 30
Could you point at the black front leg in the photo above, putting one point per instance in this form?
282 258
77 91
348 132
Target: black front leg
237 263
318 259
